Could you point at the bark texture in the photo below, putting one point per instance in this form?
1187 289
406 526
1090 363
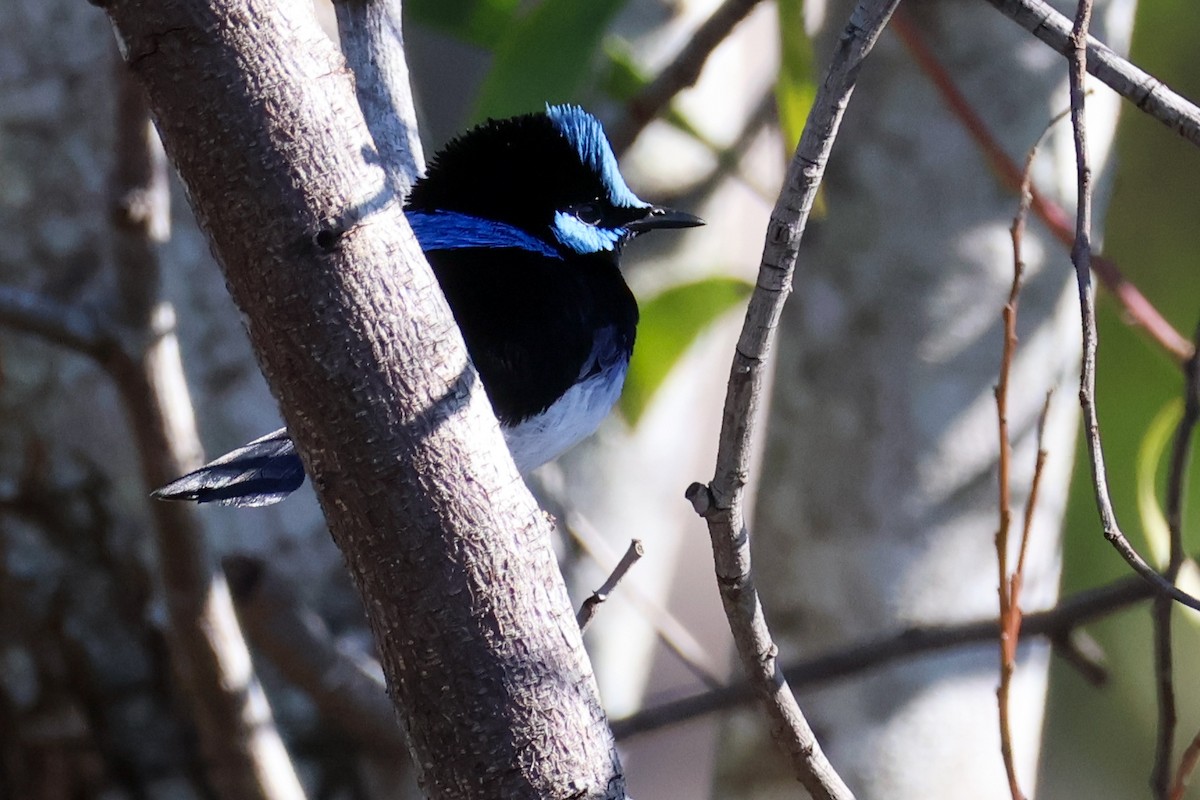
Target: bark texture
449 551
879 477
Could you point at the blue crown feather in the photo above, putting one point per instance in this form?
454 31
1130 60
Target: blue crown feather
586 135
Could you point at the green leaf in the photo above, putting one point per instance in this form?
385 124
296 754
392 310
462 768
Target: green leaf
480 22
796 88
546 57
670 322
1150 452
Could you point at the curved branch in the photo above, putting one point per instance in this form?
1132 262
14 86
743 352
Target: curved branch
1055 624
722 502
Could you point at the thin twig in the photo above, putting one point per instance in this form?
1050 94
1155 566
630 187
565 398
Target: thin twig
1056 624
1081 258
1039 466
1134 304
1146 92
673 634
1009 611
1181 451
682 72
722 502
587 611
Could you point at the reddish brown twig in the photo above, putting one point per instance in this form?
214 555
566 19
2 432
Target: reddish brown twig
1009 587
1132 301
1187 765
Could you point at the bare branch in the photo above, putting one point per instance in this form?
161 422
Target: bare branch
682 72
670 631
1140 88
590 606
1010 611
722 502
244 753
1081 258
1056 624
297 642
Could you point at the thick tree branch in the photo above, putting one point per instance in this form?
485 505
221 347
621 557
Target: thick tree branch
1138 87
722 502
476 634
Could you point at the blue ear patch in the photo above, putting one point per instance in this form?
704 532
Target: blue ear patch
583 238
585 134
450 230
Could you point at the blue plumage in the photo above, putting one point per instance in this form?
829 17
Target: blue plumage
448 230
523 221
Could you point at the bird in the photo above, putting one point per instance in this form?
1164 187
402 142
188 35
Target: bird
523 221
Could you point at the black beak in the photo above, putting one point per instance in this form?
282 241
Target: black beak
659 217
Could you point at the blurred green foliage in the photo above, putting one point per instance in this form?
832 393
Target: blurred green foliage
480 22
796 87
670 322
548 54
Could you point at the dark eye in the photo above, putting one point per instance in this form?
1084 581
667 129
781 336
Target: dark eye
587 212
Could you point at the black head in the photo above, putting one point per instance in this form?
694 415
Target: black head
552 174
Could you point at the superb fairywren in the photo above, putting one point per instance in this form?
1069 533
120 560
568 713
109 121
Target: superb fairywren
523 221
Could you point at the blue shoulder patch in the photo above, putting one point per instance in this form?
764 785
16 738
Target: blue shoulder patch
586 135
450 230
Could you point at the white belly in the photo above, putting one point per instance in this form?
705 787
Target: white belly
570 420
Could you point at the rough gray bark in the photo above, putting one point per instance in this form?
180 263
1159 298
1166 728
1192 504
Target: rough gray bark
452 557
878 481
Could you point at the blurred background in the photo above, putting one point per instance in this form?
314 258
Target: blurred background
877 473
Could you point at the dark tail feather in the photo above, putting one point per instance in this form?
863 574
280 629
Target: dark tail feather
257 474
